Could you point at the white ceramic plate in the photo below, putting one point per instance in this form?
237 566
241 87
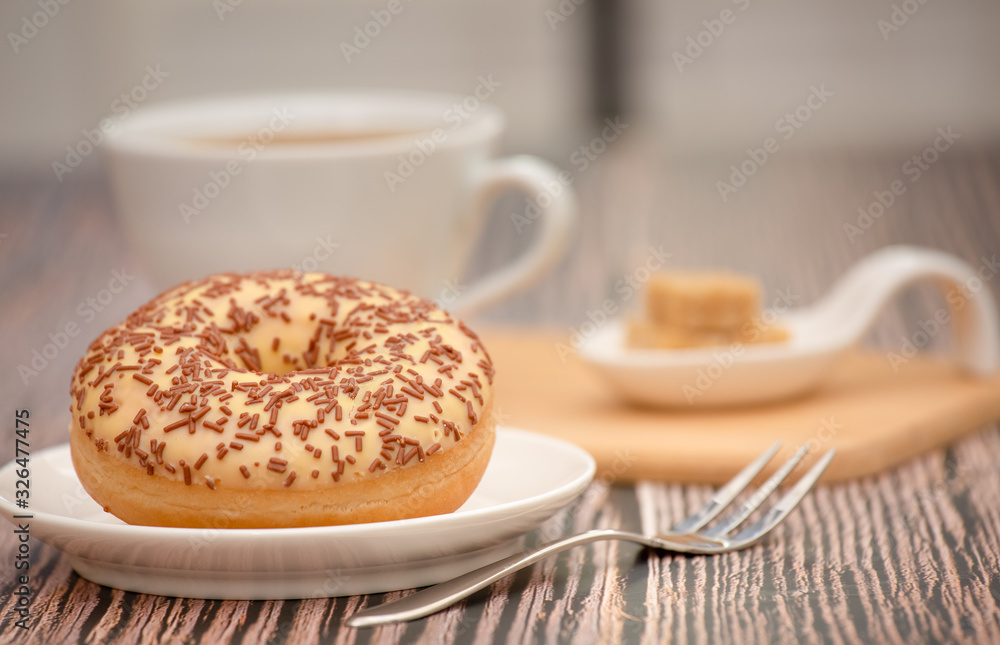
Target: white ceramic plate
529 478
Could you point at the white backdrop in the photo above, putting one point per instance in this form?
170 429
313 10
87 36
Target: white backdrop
891 86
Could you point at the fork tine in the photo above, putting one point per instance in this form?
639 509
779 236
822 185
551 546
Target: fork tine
735 519
791 499
725 495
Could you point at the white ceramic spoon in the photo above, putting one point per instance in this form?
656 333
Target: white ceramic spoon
820 334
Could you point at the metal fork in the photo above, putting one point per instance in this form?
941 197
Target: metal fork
685 537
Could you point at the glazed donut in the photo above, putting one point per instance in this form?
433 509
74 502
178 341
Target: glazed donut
277 399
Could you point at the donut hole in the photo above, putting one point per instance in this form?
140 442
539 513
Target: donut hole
282 330
284 348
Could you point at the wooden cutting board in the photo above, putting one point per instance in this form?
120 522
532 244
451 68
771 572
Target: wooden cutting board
873 416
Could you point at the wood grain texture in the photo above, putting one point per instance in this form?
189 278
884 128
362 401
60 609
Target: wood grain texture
874 414
910 555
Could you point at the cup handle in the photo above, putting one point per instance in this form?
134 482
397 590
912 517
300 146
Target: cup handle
553 222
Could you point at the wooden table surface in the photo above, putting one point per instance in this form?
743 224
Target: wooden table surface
908 556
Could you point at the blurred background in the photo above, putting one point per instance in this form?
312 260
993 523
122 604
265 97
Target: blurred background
851 89
694 80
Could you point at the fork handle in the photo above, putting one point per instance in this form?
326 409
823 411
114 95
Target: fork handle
433 599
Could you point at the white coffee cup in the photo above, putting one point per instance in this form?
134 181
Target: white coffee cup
385 186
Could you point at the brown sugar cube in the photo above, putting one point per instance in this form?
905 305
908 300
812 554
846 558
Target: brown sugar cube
710 300
643 334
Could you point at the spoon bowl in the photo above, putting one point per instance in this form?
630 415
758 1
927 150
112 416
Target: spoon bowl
820 334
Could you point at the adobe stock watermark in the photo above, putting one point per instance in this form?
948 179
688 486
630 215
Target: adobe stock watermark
225 7
121 107
697 44
418 496
627 287
246 151
562 12
724 358
450 293
898 17
424 146
957 299
623 462
322 252
786 127
827 432
32 25
913 169
580 159
370 30
70 500
86 312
